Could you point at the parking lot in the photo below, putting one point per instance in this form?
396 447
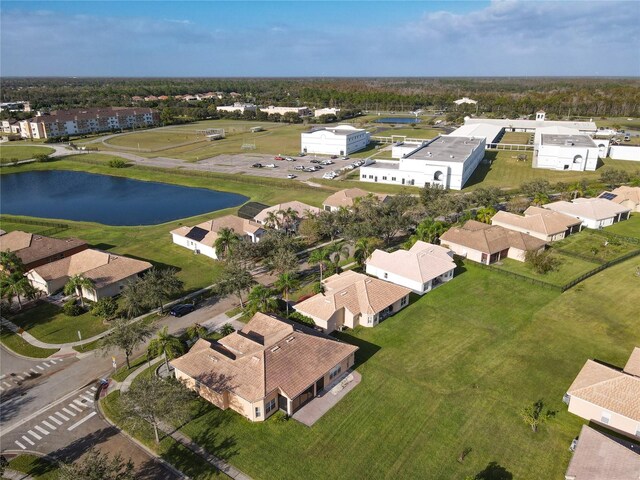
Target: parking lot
242 164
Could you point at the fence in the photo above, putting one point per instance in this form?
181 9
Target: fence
602 267
54 227
617 236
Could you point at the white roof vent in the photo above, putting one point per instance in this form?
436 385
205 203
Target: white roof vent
451 156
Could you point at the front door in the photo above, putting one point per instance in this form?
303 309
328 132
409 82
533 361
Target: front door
282 403
319 385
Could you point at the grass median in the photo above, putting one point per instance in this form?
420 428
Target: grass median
17 344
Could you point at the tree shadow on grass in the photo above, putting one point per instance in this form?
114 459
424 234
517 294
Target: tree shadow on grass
494 471
102 246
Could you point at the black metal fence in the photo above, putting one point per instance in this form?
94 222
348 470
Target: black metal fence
51 228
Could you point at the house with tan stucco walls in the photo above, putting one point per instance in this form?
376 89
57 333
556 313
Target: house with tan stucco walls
594 213
350 299
628 197
608 396
348 197
270 365
541 223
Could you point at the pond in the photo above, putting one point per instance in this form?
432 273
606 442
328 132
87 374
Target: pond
403 120
105 199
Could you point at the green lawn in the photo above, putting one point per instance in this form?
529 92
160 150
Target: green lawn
49 324
508 172
628 228
417 132
154 139
517 138
37 467
568 269
450 371
16 343
10 152
595 245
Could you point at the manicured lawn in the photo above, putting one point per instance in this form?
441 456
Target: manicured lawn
451 371
629 228
569 269
417 132
36 467
10 152
595 245
123 372
517 138
16 343
508 172
154 139
48 323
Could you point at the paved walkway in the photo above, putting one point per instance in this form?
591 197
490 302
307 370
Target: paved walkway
15 475
126 383
316 408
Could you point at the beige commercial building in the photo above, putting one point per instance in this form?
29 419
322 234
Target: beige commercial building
350 299
269 365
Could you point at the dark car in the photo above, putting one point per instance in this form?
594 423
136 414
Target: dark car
256 165
334 157
315 161
182 309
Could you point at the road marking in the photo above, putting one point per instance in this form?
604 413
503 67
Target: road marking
26 374
93 388
39 367
6 384
1 389
48 425
20 377
74 406
27 439
21 445
3 376
46 364
81 421
80 402
87 399
34 435
62 416
41 430
68 412
54 419
35 371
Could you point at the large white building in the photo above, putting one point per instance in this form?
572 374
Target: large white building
325 111
271 110
511 125
238 107
566 152
446 161
339 140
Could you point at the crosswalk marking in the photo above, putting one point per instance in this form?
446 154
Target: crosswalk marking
34 371
46 364
81 421
20 377
2 376
26 374
6 384
48 425
39 367
34 435
41 430
89 392
62 416
87 399
68 412
27 439
77 408
21 445
54 419
93 388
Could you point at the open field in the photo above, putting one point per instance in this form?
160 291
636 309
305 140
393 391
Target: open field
629 228
417 132
507 172
157 139
437 380
517 138
568 269
10 152
596 246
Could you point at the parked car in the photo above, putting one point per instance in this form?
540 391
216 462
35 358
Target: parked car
270 165
278 157
329 175
291 176
334 157
326 162
627 137
309 169
302 154
182 309
345 157
289 159
315 161
299 167
256 165
348 167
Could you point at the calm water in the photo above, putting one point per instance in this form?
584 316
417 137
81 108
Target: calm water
397 120
105 199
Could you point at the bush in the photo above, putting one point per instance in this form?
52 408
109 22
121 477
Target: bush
298 317
13 161
541 261
72 309
227 329
118 163
41 157
280 417
105 308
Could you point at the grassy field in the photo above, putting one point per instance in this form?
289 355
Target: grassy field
36 467
518 138
153 140
568 269
508 172
9 153
629 228
48 323
595 245
437 380
417 132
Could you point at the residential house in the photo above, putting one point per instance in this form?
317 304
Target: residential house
274 217
594 213
269 365
421 268
628 197
347 198
539 222
202 238
489 243
608 396
35 250
599 456
11 126
108 272
350 299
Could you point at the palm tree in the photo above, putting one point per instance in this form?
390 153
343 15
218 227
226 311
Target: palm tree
76 284
319 256
485 214
225 242
289 219
273 220
337 252
363 249
576 189
430 230
169 345
540 198
286 283
15 285
261 299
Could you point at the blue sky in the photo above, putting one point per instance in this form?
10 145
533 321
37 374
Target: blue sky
324 38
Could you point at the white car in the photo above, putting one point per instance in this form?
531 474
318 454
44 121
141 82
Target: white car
291 176
327 162
329 176
270 165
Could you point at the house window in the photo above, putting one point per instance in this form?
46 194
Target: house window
403 302
393 179
334 372
386 275
270 406
606 418
257 412
370 176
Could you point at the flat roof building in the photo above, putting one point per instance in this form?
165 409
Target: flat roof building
338 140
271 110
446 161
566 152
238 107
